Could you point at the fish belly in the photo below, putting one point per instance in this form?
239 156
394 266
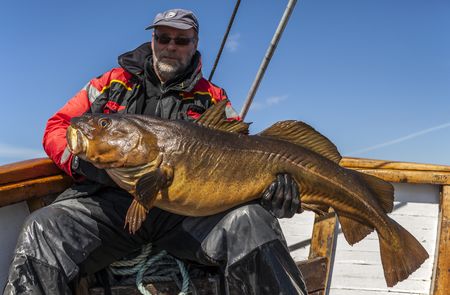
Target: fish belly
209 178
215 183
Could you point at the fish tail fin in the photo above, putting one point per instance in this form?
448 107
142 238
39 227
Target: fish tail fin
353 230
136 214
400 256
383 190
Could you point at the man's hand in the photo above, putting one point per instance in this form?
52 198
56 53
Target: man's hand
281 198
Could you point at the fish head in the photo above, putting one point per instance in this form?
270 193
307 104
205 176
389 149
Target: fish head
111 141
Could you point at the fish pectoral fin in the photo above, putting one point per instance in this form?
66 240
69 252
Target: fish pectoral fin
302 134
215 118
136 214
148 186
353 230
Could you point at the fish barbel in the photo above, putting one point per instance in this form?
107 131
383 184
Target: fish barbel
211 165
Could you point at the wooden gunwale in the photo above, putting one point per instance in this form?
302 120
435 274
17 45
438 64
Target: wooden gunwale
360 163
400 172
12 193
28 169
26 180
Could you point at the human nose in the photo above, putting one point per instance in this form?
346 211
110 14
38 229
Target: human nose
171 45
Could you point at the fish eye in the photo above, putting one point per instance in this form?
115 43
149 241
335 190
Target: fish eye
104 122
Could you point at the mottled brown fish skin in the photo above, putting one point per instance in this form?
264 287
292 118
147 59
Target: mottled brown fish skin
213 170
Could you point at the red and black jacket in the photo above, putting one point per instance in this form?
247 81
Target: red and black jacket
133 88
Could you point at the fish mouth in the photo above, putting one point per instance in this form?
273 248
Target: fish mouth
76 141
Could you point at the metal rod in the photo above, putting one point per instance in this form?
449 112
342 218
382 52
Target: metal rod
224 40
273 45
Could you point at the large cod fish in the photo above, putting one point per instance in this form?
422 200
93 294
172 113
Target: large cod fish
211 165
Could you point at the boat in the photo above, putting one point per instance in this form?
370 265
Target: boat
328 264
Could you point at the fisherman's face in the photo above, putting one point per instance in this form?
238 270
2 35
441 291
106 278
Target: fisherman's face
173 50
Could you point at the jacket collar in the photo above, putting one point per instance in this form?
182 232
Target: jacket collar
139 62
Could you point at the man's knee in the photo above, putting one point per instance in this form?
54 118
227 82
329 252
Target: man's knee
44 216
37 225
252 219
241 231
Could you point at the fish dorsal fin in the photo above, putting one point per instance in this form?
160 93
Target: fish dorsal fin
304 135
215 118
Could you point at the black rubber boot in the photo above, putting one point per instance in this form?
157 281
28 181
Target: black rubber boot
266 270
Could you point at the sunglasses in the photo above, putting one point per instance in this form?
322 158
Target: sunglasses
182 41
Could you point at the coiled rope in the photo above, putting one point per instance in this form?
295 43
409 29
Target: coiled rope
163 269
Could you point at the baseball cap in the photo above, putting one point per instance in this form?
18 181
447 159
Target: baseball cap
176 18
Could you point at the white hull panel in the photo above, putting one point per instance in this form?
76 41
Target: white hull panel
11 219
358 269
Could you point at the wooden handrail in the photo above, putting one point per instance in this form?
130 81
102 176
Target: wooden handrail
401 172
360 163
30 179
12 193
28 169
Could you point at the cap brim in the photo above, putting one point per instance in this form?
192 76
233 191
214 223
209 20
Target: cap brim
170 24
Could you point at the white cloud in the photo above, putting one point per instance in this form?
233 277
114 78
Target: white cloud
9 151
274 100
268 102
400 139
233 42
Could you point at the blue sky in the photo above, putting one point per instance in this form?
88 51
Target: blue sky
373 76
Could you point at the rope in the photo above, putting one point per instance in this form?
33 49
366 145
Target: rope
146 249
163 269
184 275
140 273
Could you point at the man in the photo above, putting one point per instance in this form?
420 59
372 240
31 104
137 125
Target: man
82 231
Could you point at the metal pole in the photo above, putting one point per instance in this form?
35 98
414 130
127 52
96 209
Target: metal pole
273 45
224 40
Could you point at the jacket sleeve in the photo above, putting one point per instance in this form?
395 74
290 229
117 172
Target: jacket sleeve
54 141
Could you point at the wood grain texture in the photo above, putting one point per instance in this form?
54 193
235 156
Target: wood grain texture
29 169
314 273
400 172
441 275
323 243
409 176
34 188
360 163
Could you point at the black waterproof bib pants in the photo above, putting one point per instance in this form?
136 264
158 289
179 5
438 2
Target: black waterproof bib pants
81 235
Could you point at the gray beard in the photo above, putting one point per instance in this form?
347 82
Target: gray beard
169 71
